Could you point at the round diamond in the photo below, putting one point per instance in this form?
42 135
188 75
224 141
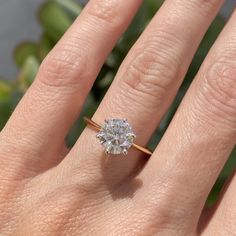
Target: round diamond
117 136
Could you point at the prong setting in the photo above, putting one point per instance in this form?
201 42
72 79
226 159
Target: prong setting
125 152
107 152
116 135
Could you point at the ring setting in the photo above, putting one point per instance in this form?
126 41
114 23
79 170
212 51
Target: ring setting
116 136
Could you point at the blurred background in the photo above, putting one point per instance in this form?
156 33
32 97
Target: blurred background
30 28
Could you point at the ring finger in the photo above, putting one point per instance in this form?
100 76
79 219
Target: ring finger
148 79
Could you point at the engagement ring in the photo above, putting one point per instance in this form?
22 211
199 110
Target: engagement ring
116 136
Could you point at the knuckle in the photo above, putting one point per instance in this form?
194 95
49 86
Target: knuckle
63 67
105 10
220 85
153 67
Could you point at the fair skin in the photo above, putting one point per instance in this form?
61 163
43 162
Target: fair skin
46 189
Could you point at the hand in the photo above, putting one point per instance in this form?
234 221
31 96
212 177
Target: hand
46 189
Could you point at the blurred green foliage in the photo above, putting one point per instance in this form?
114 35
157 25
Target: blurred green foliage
55 16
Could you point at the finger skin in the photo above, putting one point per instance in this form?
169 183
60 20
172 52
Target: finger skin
222 220
44 116
149 78
202 134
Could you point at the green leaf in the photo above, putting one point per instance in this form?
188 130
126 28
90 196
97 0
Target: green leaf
28 72
5 111
24 50
153 6
54 19
5 90
71 8
45 46
230 165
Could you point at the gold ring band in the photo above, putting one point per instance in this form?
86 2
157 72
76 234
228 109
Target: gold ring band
98 128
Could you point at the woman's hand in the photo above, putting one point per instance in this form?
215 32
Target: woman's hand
47 190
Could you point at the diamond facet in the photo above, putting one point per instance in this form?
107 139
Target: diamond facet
117 136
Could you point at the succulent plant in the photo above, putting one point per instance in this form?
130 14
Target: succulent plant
55 17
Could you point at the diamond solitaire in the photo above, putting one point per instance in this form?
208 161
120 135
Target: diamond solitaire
117 136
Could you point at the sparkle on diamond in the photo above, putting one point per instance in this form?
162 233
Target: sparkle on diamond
117 136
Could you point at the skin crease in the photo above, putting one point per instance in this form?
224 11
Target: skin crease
46 189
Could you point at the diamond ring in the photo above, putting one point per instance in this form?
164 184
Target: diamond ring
116 136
